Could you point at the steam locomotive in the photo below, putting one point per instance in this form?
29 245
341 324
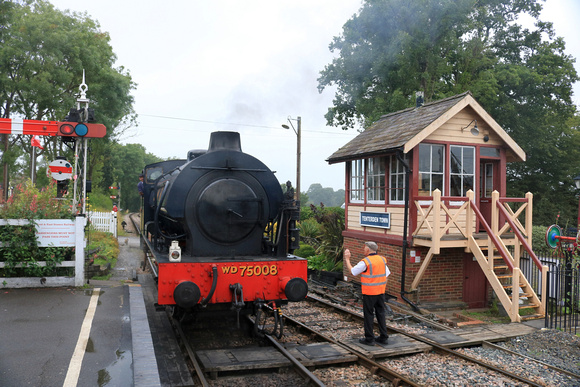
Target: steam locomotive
221 232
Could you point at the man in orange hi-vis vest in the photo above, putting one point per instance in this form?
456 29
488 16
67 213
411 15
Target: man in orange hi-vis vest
374 272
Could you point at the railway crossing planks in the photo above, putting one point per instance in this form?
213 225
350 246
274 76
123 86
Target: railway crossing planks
237 359
398 345
321 354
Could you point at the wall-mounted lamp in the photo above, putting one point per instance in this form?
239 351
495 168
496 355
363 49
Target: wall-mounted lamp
474 130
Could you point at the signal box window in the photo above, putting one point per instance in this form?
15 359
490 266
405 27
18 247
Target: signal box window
431 166
357 181
376 180
397 181
462 173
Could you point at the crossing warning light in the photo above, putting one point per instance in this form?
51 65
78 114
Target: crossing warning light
81 129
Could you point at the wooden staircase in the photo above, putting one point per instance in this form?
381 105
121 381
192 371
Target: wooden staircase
451 222
512 288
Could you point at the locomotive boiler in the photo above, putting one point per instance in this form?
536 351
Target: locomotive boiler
222 231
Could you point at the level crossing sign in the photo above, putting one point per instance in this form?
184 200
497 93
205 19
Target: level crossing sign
60 170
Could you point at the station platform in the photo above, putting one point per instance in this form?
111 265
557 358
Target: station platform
75 337
98 335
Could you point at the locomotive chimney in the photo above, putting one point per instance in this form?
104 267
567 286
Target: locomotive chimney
225 141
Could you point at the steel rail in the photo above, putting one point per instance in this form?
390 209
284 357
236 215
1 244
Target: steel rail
191 354
303 371
557 369
375 368
147 242
438 347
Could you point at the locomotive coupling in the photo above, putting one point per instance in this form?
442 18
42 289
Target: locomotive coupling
295 289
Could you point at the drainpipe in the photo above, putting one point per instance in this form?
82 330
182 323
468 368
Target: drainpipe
405 227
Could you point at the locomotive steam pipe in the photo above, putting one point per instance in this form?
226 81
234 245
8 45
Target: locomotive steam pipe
214 271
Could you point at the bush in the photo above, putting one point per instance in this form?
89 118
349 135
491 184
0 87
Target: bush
310 231
20 250
305 251
100 202
28 202
323 263
103 248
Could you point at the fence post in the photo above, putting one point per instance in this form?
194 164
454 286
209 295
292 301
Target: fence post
436 238
80 222
113 224
529 214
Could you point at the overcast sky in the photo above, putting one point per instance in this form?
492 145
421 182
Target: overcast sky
202 66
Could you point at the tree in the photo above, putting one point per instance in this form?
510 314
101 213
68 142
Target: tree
521 76
127 162
43 53
326 196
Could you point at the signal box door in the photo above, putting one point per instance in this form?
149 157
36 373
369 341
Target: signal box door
488 182
474 283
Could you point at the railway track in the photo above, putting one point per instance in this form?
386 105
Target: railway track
206 341
519 368
306 331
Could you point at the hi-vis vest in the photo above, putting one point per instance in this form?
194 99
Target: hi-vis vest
373 279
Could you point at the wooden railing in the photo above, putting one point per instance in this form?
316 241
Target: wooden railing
451 222
451 215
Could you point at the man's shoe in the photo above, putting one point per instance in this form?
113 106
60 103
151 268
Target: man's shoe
383 341
366 342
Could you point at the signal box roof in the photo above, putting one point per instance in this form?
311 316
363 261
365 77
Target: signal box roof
407 128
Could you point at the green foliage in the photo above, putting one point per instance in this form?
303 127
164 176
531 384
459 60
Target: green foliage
19 249
43 52
521 76
99 201
322 262
28 202
539 245
310 230
305 251
21 254
326 196
323 231
126 163
104 248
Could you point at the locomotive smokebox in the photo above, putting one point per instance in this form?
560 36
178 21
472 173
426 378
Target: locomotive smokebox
225 141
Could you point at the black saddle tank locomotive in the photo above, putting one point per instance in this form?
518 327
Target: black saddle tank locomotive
221 230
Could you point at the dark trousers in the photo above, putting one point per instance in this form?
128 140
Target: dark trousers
374 305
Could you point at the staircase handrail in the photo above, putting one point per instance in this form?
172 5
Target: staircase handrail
500 248
519 235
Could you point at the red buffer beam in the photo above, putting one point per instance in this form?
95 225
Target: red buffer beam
51 128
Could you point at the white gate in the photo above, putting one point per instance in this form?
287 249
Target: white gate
103 221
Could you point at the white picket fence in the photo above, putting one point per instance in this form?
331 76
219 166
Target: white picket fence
103 221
